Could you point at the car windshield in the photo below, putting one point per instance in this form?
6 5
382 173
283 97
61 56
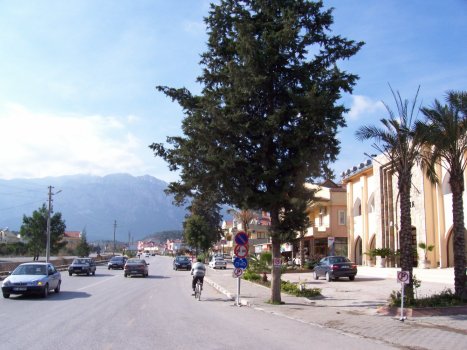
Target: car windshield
338 259
116 259
135 261
182 258
81 261
29 270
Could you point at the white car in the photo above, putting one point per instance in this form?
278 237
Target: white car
218 262
32 278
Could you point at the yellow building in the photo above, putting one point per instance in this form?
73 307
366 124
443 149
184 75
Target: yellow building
373 213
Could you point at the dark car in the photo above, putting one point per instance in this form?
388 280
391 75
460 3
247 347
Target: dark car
32 278
82 266
136 266
117 262
333 267
182 263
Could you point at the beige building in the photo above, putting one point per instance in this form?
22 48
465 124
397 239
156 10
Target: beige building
373 213
327 233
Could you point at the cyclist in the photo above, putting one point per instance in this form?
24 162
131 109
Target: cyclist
198 270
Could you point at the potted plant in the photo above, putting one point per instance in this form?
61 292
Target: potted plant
425 263
382 253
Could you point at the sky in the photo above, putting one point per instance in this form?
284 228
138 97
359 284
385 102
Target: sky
78 77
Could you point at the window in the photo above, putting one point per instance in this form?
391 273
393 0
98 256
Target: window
342 217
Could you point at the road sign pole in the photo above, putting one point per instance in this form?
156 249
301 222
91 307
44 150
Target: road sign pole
238 291
402 303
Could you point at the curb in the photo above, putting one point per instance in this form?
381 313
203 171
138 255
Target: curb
243 302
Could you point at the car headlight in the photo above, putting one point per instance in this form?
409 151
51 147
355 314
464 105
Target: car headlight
6 283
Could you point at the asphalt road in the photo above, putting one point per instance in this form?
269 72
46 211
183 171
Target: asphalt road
108 311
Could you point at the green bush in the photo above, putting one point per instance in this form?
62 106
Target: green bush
294 289
443 299
250 275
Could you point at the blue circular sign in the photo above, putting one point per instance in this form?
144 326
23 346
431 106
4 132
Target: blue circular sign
240 263
241 238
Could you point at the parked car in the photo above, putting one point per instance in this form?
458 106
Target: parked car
32 278
218 262
333 267
82 266
136 266
146 255
182 262
117 262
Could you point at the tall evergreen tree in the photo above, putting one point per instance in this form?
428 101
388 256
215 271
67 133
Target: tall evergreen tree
83 248
268 114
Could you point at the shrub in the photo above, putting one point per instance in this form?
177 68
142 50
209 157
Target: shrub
293 289
250 275
443 299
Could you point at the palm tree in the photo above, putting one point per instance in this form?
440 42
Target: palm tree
245 216
445 135
399 142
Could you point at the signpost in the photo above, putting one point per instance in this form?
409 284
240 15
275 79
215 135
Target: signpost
403 277
240 261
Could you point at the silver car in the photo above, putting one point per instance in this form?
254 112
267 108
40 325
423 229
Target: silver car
32 278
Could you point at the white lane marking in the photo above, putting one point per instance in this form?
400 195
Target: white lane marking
97 283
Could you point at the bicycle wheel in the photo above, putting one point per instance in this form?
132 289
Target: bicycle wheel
198 291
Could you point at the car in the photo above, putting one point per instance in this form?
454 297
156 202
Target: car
146 255
334 267
182 262
135 266
32 278
82 266
117 262
218 262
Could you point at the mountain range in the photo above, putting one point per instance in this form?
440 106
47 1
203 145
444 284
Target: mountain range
131 207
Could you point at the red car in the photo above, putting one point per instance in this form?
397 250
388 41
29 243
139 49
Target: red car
136 266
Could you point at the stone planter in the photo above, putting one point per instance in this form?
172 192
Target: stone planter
380 261
424 264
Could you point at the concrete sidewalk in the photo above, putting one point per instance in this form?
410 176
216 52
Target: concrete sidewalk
350 307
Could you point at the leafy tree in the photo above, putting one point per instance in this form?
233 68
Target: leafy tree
34 230
401 144
445 134
83 248
267 117
196 233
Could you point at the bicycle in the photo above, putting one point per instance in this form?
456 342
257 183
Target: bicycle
198 289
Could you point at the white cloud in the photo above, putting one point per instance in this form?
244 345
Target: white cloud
48 144
362 105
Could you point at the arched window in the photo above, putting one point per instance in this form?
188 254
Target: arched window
357 207
371 203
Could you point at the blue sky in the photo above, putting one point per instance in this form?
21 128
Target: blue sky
78 77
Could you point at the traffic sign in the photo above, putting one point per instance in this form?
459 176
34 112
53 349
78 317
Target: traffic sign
277 262
241 251
241 238
240 263
237 272
403 277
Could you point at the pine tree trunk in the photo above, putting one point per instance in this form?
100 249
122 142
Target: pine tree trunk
457 189
276 254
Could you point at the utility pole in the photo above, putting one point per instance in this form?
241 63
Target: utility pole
115 228
49 212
